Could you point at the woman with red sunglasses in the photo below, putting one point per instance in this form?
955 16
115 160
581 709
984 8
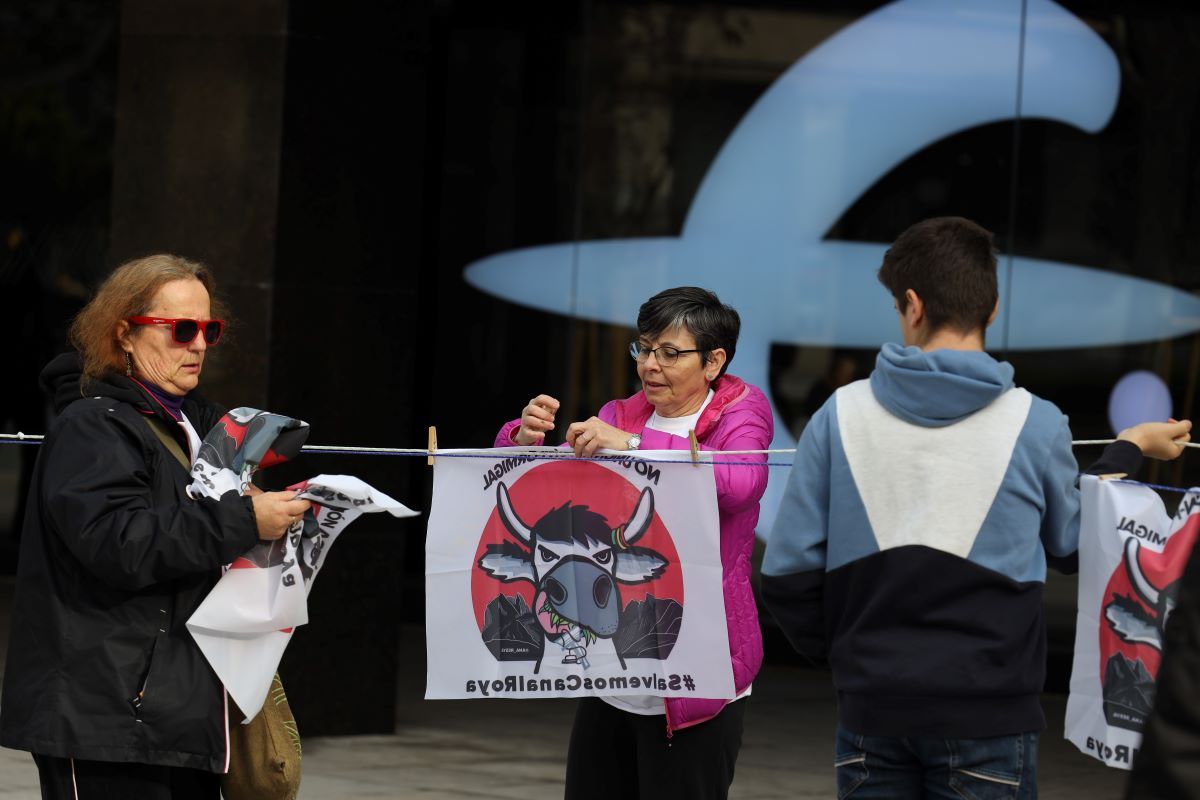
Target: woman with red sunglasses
103 683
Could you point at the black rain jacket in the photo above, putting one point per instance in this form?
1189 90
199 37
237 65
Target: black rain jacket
114 558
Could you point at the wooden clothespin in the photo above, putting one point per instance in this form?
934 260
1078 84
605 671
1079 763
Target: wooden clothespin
695 447
1113 476
432 444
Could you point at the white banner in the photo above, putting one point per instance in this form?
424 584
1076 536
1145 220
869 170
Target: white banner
570 577
1131 555
247 620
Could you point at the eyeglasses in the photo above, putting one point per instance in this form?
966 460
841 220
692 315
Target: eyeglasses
664 354
184 331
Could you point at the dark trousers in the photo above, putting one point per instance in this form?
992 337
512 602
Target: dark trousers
69 778
616 754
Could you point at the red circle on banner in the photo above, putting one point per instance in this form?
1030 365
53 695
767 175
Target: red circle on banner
611 494
1161 570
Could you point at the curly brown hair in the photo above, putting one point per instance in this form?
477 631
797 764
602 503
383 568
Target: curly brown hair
129 292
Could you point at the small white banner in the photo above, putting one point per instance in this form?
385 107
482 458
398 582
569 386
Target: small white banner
1131 556
569 577
247 620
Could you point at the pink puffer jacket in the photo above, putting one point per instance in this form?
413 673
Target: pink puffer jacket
738 418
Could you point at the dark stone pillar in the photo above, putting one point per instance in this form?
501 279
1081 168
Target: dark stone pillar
313 271
351 239
196 159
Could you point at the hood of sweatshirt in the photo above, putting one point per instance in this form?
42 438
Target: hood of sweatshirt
939 387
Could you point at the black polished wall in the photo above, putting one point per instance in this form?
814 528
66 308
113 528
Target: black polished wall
349 286
340 164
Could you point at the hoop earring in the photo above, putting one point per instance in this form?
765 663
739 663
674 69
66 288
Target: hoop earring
128 365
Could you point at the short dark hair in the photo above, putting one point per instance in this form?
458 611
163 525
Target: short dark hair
712 323
950 262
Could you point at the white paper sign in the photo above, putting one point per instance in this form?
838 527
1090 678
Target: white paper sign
1131 555
247 620
567 577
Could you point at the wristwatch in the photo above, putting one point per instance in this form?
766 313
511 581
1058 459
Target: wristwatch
634 442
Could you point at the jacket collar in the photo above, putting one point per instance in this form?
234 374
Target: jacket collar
63 381
634 411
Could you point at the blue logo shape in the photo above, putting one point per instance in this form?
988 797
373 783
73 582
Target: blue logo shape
842 117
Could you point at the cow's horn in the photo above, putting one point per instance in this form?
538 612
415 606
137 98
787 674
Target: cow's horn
1140 584
509 517
642 514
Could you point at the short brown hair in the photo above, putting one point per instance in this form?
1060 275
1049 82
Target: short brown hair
128 292
950 262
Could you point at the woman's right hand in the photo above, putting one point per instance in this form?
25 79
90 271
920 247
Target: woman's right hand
276 511
536 418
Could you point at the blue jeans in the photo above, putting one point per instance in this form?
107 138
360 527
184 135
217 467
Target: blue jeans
961 769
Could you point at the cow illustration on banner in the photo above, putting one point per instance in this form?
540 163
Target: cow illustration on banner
575 562
1131 556
555 577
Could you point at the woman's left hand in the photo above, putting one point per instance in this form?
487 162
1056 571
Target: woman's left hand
592 434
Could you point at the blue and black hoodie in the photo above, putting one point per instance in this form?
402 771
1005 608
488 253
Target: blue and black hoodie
911 545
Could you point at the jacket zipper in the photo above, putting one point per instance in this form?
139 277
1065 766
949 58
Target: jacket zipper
137 700
225 703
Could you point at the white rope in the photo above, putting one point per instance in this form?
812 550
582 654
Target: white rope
391 451
421 451
1081 442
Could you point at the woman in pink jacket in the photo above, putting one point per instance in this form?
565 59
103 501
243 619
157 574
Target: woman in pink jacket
623 746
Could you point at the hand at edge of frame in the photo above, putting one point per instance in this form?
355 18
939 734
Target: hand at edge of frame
1161 440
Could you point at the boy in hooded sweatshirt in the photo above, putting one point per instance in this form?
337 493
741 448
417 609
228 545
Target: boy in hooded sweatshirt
911 545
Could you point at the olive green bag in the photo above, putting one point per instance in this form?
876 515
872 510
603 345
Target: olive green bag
264 756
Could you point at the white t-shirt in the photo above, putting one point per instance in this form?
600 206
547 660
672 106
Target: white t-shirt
679 426
648 704
192 437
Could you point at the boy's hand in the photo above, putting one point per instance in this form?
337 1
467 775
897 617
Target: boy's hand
1161 440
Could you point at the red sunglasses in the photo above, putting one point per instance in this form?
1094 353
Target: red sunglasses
184 331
